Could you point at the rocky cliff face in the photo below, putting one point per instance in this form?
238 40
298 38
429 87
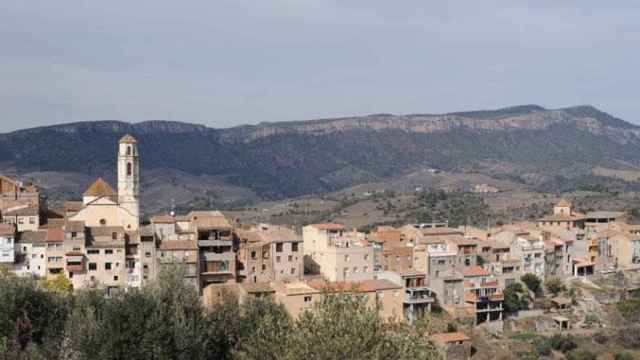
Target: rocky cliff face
277 160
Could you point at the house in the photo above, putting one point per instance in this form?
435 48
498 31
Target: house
269 253
25 218
338 255
484 294
16 194
452 346
418 297
299 296
7 244
216 254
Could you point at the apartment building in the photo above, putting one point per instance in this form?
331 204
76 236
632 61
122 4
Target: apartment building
418 297
484 294
105 259
217 256
269 253
337 254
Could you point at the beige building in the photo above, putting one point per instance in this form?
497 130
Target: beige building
25 218
299 296
269 253
337 254
15 194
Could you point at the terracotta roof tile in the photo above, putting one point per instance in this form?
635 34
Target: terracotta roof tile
328 226
128 139
163 219
100 188
475 271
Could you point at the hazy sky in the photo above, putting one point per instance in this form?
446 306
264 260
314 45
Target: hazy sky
229 62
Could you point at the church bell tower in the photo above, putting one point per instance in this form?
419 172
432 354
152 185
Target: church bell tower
129 182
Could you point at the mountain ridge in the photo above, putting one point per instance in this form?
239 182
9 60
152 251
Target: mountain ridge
278 160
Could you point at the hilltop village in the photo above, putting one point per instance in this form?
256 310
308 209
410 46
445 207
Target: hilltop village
408 271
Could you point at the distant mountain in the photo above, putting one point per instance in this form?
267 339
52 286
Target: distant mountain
528 144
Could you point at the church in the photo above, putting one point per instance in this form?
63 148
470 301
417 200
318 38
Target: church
103 206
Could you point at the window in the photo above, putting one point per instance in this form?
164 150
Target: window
93 252
20 221
128 150
294 247
278 258
115 278
93 267
147 254
346 258
253 255
32 220
103 222
366 257
365 269
129 169
114 236
307 300
278 247
293 271
290 258
264 267
107 266
108 251
70 275
74 234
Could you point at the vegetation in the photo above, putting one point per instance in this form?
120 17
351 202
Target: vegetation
166 320
554 285
533 283
563 343
515 298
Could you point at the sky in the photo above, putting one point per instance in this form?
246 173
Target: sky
223 63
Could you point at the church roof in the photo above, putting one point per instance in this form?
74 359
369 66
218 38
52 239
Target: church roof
563 203
100 188
128 139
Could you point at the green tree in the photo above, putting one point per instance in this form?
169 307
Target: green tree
515 298
60 284
554 285
532 282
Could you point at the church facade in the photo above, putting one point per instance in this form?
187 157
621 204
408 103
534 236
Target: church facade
103 206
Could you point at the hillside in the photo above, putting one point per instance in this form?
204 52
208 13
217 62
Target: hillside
526 145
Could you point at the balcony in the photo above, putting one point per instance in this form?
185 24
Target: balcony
223 242
418 296
211 256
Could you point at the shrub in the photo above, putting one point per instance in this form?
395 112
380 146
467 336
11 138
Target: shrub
554 285
563 343
533 283
542 346
623 356
581 355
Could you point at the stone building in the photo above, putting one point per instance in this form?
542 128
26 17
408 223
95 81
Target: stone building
338 255
269 253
